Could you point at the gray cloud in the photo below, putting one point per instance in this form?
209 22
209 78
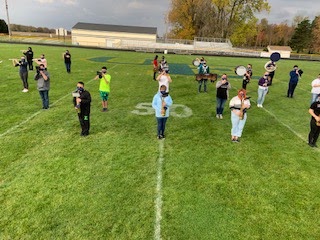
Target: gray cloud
149 13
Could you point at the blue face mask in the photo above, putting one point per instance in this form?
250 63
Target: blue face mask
163 92
80 89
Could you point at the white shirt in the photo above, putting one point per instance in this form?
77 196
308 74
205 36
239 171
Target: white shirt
315 90
164 80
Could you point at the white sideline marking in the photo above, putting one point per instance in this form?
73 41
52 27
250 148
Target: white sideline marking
158 201
37 113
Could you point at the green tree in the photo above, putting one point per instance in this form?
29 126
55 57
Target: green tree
3 27
302 36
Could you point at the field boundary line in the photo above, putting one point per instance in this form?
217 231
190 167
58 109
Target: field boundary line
38 112
158 200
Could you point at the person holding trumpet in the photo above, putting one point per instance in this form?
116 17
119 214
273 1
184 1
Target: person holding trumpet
238 106
41 60
161 103
293 82
23 72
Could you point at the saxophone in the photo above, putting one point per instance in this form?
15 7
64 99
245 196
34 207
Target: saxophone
241 116
163 108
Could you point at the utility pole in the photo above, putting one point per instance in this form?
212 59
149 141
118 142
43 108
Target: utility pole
8 19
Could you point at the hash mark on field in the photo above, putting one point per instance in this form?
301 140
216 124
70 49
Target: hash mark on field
158 201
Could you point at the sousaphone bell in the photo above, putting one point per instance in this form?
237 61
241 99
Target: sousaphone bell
271 66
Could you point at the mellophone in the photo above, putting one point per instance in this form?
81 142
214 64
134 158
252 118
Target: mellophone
209 76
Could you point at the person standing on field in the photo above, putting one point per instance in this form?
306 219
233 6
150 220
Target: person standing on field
161 104
104 87
315 91
29 56
82 103
314 111
67 60
43 85
23 72
223 87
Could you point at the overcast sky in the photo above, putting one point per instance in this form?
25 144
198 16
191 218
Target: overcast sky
148 13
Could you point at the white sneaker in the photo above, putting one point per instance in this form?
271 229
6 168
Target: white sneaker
217 116
220 116
25 90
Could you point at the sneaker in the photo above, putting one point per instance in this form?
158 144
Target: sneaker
163 136
220 116
104 110
25 90
159 137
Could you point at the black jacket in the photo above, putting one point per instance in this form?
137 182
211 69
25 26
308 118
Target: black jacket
85 102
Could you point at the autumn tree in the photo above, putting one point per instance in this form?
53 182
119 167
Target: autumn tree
315 42
211 18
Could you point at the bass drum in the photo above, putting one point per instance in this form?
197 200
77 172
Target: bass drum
240 70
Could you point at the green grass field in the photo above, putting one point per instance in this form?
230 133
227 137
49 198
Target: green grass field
120 182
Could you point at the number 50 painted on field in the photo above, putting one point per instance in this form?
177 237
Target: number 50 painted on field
176 110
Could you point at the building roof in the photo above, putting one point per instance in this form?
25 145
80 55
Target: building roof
279 48
115 28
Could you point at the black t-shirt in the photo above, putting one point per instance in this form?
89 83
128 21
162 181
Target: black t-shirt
316 108
67 58
222 91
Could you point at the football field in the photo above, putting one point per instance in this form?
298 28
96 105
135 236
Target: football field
121 182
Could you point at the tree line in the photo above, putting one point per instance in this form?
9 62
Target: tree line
21 28
236 20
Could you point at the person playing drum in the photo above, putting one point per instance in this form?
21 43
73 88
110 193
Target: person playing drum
203 70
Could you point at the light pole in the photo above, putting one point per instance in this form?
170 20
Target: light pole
8 19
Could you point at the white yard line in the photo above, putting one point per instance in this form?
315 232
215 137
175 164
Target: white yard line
158 201
37 113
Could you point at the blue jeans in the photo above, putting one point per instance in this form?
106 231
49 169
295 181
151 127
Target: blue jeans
68 67
220 105
237 124
161 125
261 95
314 97
45 98
204 81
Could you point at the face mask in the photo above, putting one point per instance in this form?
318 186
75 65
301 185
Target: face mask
80 89
163 92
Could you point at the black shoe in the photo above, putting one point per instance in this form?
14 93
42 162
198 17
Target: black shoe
159 137
163 136
312 145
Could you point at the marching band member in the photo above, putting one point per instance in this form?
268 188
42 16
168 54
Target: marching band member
314 111
293 82
238 106
164 79
262 89
222 94
155 64
161 103
42 60
29 56
247 76
271 65
23 72
315 91
203 69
